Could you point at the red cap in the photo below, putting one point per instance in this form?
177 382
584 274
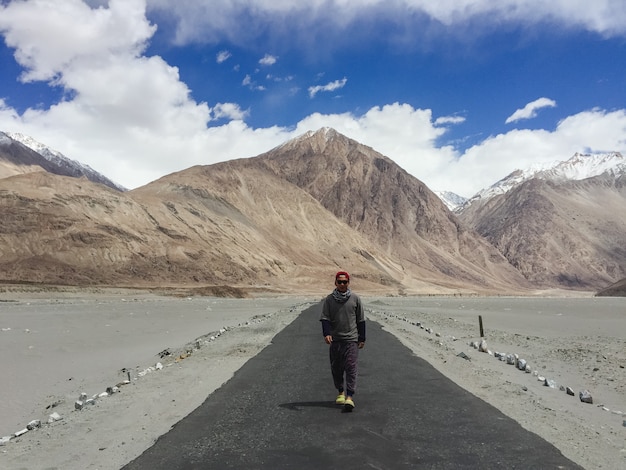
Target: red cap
342 273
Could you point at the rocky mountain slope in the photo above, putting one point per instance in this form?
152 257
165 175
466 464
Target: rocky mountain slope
289 218
374 196
22 154
282 221
617 289
568 233
577 168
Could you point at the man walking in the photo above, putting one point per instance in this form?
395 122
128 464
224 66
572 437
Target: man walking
343 327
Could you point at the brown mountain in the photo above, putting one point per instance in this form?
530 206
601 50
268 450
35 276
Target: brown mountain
26 156
283 221
617 289
380 200
570 234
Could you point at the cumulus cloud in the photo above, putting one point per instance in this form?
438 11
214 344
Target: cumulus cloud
332 86
223 56
233 21
51 37
248 82
480 166
268 60
230 111
530 110
132 118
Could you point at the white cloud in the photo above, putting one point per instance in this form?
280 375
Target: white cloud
232 21
268 60
449 120
482 165
223 56
248 82
230 111
332 86
52 37
132 118
530 110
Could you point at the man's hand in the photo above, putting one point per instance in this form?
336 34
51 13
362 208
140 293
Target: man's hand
328 339
361 344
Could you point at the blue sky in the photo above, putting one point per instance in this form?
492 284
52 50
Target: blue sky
458 93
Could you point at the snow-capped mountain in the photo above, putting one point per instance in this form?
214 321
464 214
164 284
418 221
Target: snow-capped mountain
452 200
65 165
579 167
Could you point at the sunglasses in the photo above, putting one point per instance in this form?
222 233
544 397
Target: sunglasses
342 282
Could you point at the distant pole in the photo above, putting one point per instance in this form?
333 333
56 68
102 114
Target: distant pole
480 323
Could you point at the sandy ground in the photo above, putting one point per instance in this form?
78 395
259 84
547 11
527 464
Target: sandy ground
575 342
56 347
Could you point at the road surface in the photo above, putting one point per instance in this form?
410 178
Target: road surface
278 412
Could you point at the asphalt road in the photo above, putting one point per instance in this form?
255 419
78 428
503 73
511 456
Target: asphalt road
278 412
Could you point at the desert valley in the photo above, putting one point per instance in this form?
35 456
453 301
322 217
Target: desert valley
213 261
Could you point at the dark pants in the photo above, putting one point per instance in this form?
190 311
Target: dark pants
343 360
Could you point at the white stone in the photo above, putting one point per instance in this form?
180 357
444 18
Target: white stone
35 423
54 417
4 440
20 432
159 366
550 383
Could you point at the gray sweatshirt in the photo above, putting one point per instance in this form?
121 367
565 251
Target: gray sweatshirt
345 319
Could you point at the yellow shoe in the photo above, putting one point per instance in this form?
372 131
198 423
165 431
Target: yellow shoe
348 404
340 400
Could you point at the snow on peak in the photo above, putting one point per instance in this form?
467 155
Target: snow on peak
452 200
61 161
579 167
4 138
38 147
326 133
582 166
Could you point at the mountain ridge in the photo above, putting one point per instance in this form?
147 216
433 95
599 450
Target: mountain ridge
579 166
571 232
249 223
51 160
288 217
